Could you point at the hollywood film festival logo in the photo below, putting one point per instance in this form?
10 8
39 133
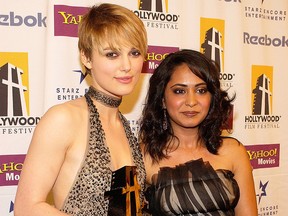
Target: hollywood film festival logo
155 14
212 46
15 115
262 99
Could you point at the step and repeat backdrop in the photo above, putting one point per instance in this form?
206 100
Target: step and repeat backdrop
39 67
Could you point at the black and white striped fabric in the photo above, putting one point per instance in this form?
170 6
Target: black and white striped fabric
193 188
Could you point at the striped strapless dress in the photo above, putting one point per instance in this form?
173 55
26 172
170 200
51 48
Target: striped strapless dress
193 188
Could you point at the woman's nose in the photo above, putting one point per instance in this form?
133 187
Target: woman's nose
190 99
126 64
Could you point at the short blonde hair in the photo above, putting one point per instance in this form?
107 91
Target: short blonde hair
112 24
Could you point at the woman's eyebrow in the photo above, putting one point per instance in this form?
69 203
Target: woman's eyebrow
186 85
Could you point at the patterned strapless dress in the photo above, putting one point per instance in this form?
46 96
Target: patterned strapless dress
193 188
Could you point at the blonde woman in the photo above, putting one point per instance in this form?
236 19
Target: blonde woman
79 145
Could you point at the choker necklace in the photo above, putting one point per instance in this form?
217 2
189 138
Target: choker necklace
103 98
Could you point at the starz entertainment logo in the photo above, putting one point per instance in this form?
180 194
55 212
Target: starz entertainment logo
262 190
265 12
64 93
262 100
72 93
262 194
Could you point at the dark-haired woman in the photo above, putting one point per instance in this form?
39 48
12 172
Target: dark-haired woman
192 169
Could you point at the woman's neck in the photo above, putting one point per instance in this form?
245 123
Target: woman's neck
103 98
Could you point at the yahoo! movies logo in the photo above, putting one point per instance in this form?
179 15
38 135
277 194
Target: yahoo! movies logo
262 100
155 55
10 169
14 95
264 156
212 37
66 20
155 14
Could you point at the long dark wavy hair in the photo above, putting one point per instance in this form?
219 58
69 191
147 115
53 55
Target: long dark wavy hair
151 132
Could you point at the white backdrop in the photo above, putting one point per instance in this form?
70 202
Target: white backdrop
39 67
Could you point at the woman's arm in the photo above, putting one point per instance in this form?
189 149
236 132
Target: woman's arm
42 164
243 174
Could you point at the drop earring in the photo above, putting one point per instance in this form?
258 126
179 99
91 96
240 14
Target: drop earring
164 123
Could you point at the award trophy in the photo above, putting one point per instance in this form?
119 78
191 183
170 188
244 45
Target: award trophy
124 196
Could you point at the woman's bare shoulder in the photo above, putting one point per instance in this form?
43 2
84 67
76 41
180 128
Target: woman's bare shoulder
235 151
62 118
230 143
66 111
232 148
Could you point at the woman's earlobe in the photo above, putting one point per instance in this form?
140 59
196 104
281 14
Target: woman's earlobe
85 60
163 104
